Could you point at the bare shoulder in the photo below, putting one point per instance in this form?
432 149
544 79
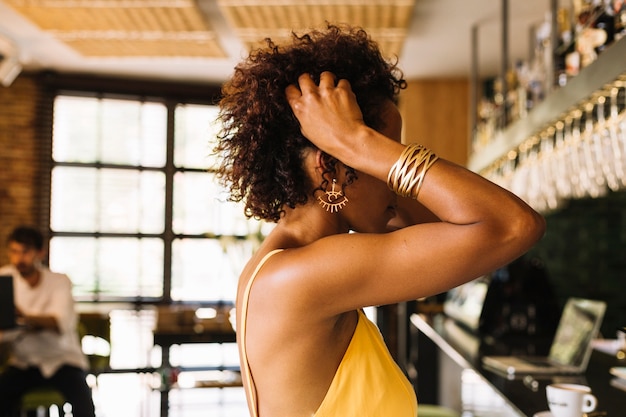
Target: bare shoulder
315 281
283 337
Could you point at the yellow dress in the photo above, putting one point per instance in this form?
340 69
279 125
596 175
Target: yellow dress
368 382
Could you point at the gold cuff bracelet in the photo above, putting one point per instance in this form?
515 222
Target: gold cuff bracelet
404 178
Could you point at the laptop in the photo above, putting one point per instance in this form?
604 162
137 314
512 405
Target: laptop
7 304
464 304
570 350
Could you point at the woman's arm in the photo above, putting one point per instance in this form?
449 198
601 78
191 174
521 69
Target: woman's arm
482 226
410 212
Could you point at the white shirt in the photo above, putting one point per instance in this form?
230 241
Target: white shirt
46 349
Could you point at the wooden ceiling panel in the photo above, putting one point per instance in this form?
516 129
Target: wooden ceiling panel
128 28
144 28
142 48
254 20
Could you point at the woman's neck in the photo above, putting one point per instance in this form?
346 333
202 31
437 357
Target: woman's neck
306 224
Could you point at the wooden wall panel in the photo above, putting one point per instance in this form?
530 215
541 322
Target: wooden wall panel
436 114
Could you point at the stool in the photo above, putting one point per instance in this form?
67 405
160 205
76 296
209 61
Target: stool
38 401
430 410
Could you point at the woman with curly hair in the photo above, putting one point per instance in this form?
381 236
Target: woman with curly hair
311 141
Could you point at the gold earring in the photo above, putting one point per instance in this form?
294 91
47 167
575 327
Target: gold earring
335 200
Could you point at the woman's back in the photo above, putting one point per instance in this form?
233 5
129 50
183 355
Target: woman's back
366 379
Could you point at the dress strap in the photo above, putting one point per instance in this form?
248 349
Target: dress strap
242 329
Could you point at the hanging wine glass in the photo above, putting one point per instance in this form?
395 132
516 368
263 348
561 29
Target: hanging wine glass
533 177
614 145
508 169
603 146
593 182
496 174
560 163
578 175
519 181
617 126
547 175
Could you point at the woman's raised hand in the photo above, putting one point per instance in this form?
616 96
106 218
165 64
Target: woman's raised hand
328 113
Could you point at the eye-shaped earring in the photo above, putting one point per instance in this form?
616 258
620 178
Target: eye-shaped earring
335 200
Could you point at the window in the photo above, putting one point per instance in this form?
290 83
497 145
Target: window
136 213
137 219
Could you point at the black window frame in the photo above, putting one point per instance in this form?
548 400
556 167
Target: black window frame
171 94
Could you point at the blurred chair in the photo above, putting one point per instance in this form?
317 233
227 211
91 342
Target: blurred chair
94 330
41 401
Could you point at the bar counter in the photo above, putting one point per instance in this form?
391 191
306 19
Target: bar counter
465 385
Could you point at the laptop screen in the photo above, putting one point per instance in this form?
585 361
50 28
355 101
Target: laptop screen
579 324
465 303
7 305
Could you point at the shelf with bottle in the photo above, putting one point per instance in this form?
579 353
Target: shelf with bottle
570 145
568 40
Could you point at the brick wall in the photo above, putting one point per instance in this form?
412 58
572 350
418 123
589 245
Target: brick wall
19 157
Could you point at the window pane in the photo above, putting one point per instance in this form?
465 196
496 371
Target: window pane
208 269
126 395
133 133
132 341
73 200
116 267
75 133
75 257
201 206
196 127
111 131
204 354
201 402
107 200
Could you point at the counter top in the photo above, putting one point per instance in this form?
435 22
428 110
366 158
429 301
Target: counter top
525 394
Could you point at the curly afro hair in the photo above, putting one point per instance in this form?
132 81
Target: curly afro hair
260 143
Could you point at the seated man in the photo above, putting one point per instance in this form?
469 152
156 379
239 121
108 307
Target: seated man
45 348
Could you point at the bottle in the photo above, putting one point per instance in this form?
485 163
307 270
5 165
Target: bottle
566 57
619 9
604 20
522 76
588 37
487 117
